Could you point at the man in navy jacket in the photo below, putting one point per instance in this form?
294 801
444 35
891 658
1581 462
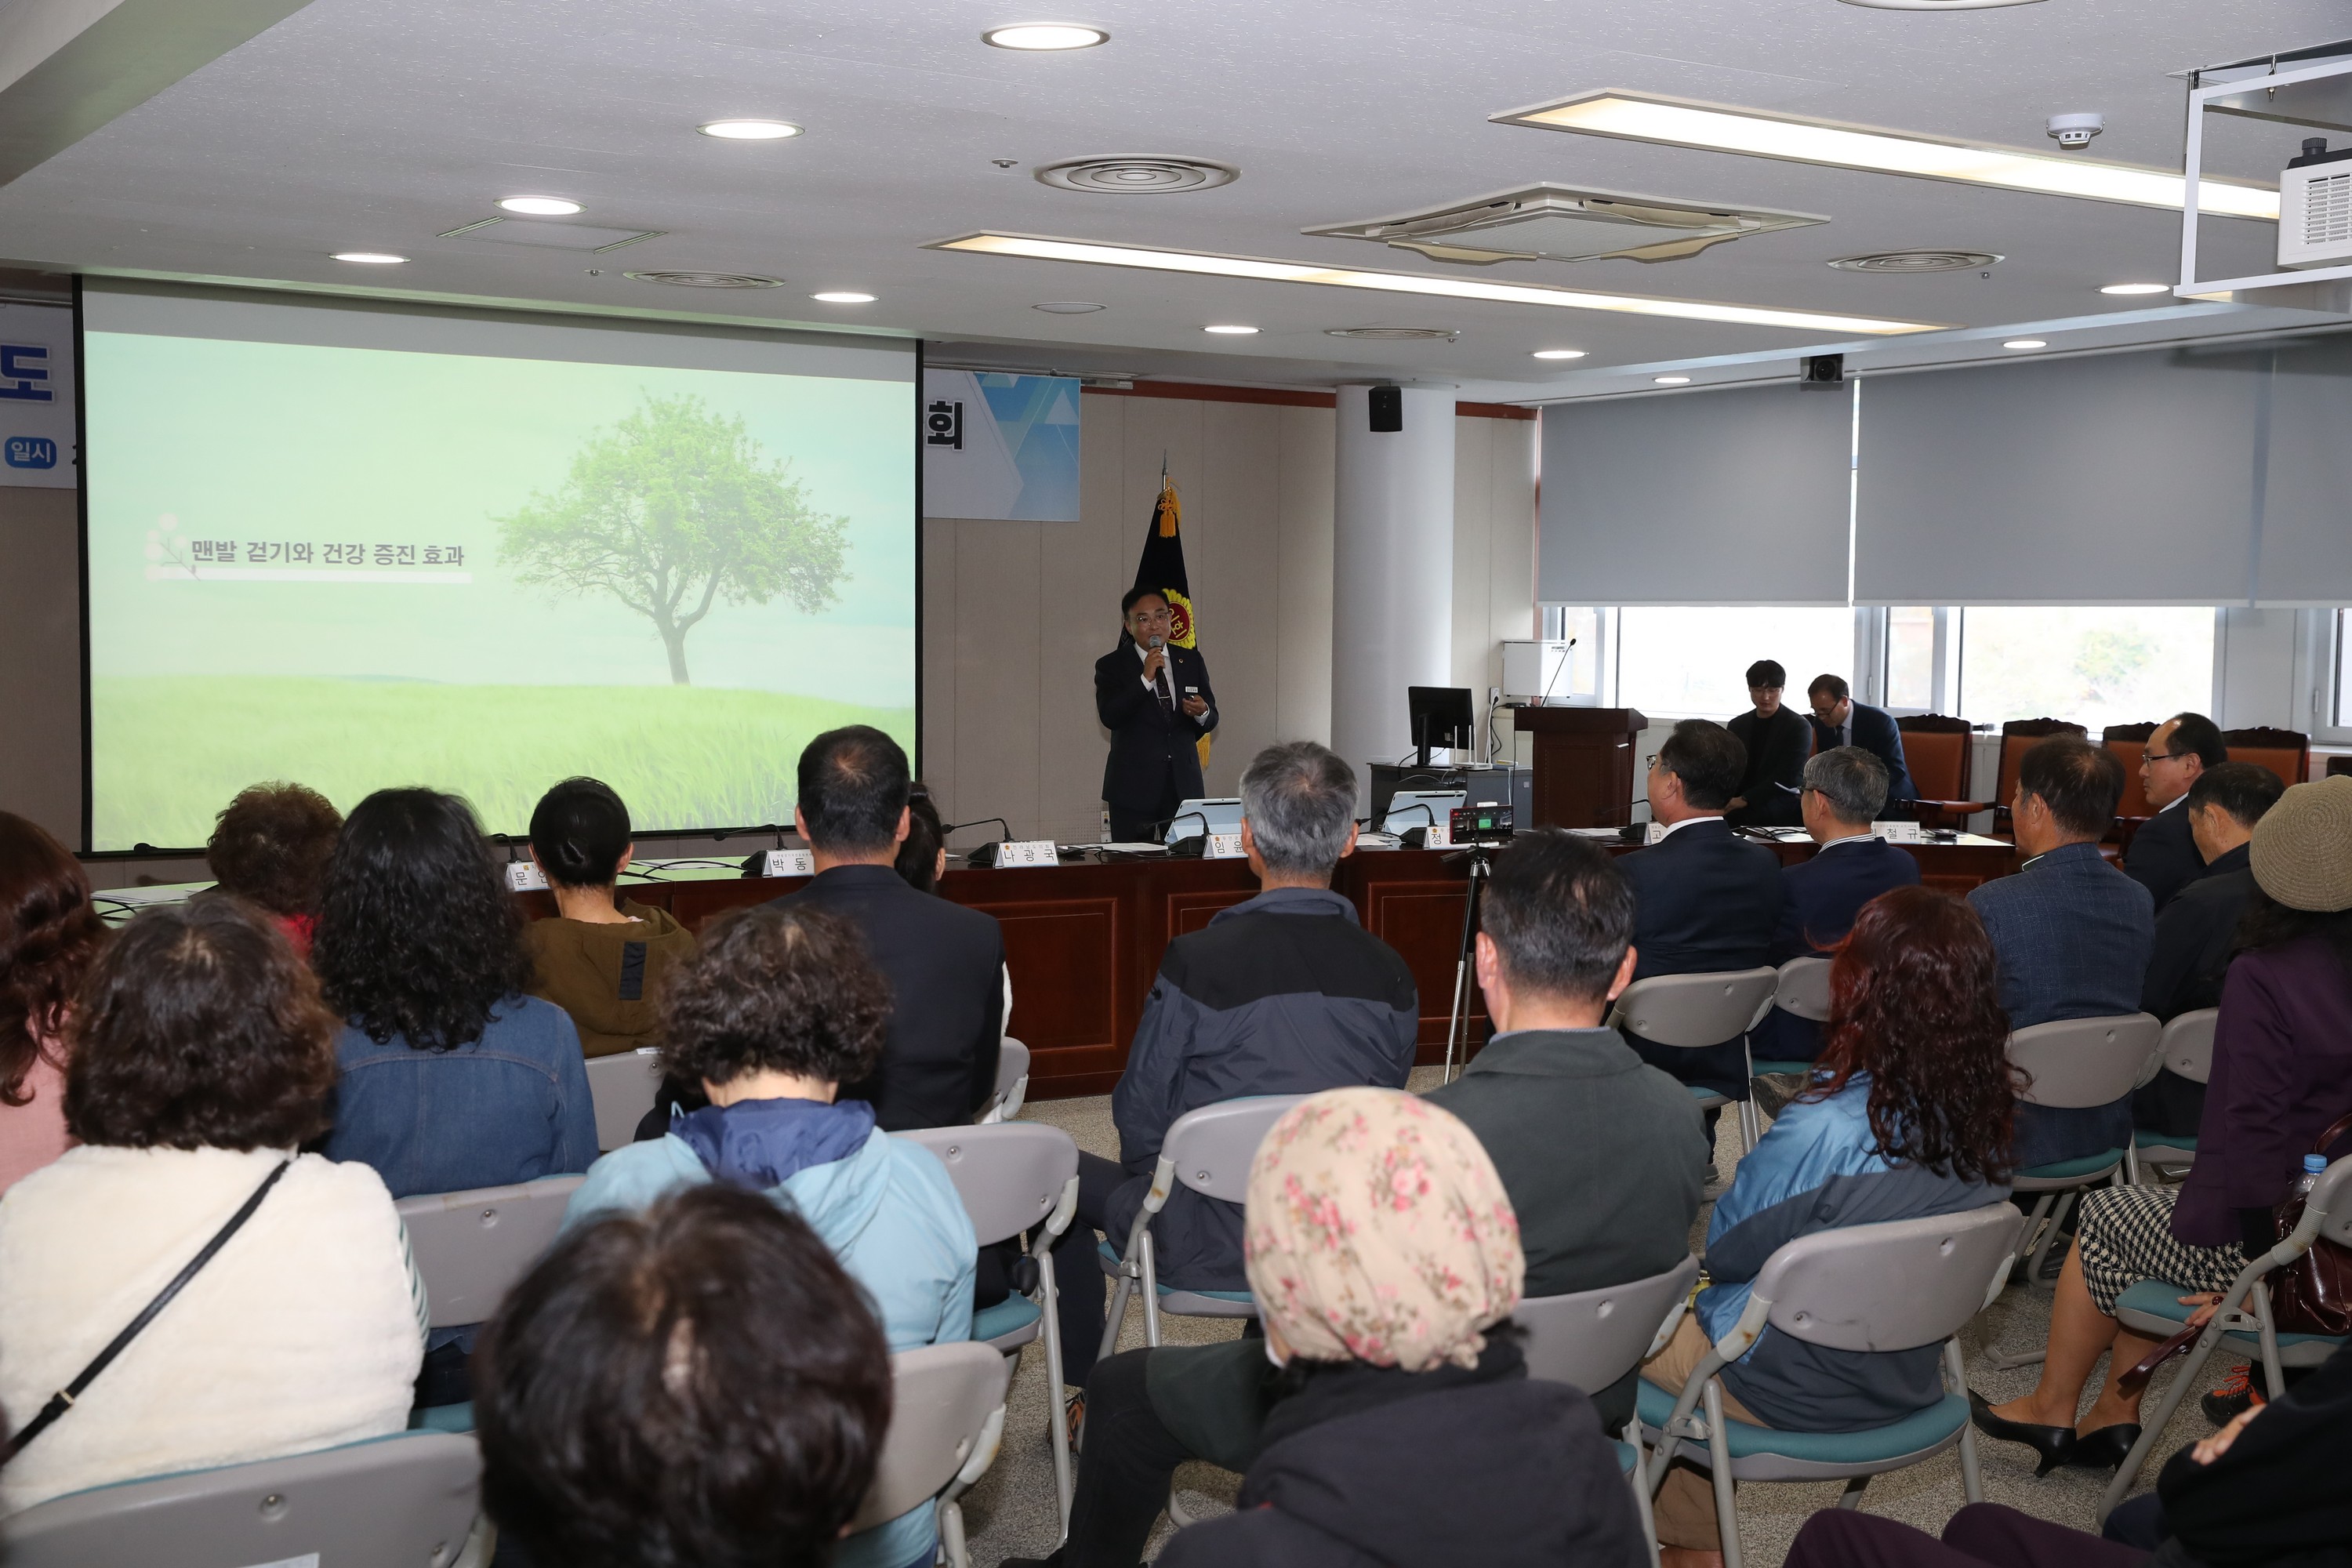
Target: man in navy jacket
1839 720
1845 789
1704 899
2163 856
1154 698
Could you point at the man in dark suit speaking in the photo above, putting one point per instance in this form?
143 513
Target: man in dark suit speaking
1839 720
1154 698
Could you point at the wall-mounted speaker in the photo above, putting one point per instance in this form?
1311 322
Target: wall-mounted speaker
1388 410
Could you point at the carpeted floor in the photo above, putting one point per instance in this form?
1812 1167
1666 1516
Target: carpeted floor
1011 1513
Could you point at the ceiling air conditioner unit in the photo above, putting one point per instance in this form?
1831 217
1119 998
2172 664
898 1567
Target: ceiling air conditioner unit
2316 207
1563 222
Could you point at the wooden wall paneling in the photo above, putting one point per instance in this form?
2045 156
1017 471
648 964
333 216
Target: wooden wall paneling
1233 550
1473 484
997 608
1303 573
939 662
1413 902
40 648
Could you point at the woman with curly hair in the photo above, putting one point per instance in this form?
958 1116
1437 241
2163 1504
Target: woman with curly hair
49 935
1909 1114
452 1077
778 1009
269 846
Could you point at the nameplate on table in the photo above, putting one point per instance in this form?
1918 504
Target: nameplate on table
525 877
1654 832
1899 832
788 863
1225 846
1026 852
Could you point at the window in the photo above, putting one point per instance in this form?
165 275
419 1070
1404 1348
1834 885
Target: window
1911 657
2095 666
2343 705
1693 662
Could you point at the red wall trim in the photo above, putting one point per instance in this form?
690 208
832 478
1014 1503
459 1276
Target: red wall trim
1201 391
1492 411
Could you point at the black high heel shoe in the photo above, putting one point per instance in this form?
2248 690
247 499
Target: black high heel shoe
2054 1445
2105 1447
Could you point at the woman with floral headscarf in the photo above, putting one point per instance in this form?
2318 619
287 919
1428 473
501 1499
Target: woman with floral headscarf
1385 1259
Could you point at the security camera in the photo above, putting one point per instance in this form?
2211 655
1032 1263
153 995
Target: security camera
2074 131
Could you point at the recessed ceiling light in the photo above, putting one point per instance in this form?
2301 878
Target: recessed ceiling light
1039 36
2137 288
1192 261
1672 380
841 296
1067 306
1684 124
539 207
2026 344
1231 332
749 130
1559 353
370 257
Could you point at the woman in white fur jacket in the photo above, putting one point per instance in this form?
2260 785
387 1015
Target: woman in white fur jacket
202 1058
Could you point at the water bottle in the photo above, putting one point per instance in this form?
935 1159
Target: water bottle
2312 1166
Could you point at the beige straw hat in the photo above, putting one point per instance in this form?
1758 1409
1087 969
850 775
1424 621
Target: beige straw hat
2303 847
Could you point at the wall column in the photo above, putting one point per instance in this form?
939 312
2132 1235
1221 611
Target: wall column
1393 569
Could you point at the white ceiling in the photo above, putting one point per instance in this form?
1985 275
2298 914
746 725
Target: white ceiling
378 123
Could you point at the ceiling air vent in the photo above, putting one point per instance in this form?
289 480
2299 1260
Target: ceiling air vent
1395 335
1136 174
1561 223
710 280
1918 261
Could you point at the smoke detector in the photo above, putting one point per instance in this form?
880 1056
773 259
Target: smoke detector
1395 335
1899 261
709 279
1562 223
1136 174
2074 131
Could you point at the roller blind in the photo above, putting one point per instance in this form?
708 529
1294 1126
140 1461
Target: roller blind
2112 479
2304 524
1737 497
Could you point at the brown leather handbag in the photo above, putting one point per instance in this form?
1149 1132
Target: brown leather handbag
2313 1295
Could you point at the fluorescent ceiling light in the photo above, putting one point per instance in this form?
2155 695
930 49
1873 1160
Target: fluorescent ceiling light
1232 331
749 130
1045 36
841 296
1684 124
370 257
2026 344
2137 288
1672 380
539 207
1559 353
1196 262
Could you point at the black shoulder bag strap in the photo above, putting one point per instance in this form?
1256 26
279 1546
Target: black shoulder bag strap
62 1401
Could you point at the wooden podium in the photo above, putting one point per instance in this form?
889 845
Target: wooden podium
1583 763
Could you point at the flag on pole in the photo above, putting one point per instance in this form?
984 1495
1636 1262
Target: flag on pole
1161 570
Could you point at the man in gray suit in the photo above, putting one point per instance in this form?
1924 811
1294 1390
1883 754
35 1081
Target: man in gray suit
2071 934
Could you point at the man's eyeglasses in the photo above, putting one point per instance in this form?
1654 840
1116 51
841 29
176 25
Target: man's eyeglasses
2152 758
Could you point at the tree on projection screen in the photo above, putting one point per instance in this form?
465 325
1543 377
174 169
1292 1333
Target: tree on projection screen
674 507
360 547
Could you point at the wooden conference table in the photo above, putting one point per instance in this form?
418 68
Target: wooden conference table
1084 939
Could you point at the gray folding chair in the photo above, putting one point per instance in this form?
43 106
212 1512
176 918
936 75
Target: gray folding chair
2186 1048
1011 1083
947 1418
1014 1176
2075 1063
1890 1287
1692 1011
470 1247
624 1086
1594 1338
2153 1307
403 1501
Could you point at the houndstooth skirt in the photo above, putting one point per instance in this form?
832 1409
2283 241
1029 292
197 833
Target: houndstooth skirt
2125 1236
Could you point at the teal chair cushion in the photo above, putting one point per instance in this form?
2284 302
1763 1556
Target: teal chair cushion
443 1419
1628 1457
1923 1429
1111 1260
2087 1166
1793 1068
2161 1299
2142 1138
1708 1096
1009 1316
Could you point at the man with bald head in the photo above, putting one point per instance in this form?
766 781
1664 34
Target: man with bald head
2163 856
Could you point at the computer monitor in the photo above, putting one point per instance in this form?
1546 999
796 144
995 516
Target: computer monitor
1441 716
1410 808
1225 815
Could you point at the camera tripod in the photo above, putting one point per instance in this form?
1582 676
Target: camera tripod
1457 1020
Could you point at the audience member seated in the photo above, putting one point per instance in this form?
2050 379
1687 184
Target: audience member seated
452 1076
1777 743
50 934
1909 1116
1703 899
269 846
2282 1073
200 1059
2195 931
2163 856
1601 1157
602 959
1386 1257
2257 1492
1839 720
944 963
2073 933
922 857
1845 791
1282 994
780 1009
701 1385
